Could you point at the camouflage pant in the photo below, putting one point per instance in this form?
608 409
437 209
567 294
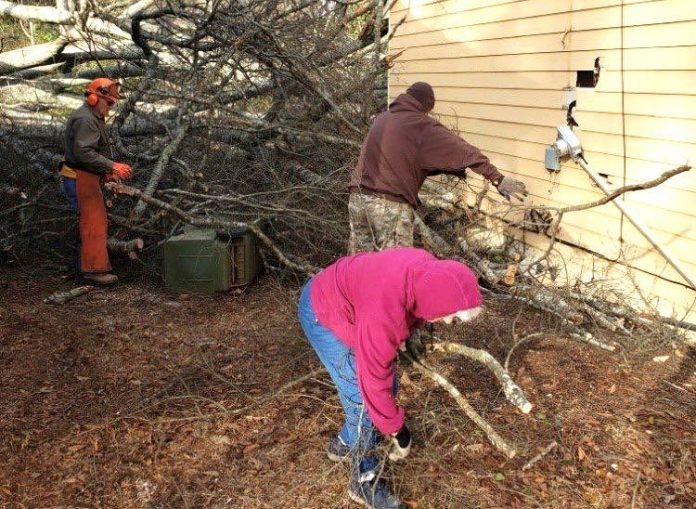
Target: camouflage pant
377 223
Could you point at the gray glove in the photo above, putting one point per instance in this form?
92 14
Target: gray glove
508 186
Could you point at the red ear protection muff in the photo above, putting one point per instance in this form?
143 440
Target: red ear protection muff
103 92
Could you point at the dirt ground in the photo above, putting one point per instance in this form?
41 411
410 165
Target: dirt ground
134 397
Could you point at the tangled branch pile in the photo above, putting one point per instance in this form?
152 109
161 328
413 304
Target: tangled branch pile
250 112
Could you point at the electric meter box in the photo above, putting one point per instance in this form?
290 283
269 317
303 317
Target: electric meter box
208 261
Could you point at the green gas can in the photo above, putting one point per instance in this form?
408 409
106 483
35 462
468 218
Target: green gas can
207 261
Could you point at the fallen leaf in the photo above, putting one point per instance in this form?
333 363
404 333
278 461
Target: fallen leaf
220 439
475 448
249 448
661 358
499 476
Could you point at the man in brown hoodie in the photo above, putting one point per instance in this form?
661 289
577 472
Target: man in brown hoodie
403 147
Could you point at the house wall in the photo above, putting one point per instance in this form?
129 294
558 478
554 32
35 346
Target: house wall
499 68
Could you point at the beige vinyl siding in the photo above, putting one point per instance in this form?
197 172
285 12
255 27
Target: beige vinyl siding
499 69
680 83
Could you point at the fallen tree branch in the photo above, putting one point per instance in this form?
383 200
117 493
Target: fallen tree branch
518 343
550 300
586 337
623 190
512 391
161 166
63 297
211 222
257 403
495 439
539 456
575 331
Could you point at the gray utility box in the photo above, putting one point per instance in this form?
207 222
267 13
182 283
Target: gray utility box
207 261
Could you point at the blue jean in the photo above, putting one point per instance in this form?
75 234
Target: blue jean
357 432
69 186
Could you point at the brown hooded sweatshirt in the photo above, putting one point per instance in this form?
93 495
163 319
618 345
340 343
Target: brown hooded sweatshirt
404 146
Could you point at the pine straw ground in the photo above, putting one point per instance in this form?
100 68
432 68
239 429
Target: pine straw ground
122 399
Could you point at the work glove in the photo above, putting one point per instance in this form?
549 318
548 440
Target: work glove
508 186
401 444
121 171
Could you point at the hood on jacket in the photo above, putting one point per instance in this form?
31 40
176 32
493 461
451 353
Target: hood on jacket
406 102
443 287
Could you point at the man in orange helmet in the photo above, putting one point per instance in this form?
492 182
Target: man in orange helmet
87 164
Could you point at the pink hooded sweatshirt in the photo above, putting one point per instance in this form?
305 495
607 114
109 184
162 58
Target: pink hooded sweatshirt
372 301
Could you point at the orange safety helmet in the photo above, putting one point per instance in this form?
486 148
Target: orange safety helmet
105 88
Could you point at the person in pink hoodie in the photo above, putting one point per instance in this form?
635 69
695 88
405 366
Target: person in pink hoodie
356 314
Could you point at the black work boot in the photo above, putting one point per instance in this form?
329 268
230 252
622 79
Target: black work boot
373 493
337 450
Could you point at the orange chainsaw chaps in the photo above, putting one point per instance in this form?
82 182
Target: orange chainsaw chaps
93 224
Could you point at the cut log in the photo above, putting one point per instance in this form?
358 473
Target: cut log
43 14
509 277
36 72
124 246
31 56
128 247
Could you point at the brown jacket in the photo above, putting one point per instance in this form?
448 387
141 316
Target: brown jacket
87 145
404 146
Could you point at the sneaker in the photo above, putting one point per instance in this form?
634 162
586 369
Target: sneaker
337 450
374 494
100 278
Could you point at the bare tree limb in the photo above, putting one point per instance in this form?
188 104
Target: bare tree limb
623 190
492 435
213 222
512 391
